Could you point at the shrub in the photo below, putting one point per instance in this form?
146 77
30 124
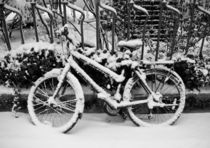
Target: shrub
28 63
31 61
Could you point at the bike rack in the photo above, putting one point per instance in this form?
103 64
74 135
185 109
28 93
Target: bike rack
190 31
4 7
65 4
54 10
74 7
4 26
166 5
62 4
98 4
139 8
201 9
38 7
89 4
194 6
176 25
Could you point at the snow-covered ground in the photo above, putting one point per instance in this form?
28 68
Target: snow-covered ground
103 131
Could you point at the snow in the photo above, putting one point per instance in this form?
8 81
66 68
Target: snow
10 18
72 15
101 130
116 77
130 43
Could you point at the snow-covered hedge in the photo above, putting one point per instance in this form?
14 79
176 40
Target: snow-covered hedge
28 63
194 75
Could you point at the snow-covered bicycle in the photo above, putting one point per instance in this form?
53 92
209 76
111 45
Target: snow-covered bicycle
151 96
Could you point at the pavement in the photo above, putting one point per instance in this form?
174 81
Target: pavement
100 130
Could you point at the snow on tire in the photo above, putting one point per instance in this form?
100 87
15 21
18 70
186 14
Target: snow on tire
69 102
172 89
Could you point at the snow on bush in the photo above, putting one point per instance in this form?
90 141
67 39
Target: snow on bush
28 63
24 7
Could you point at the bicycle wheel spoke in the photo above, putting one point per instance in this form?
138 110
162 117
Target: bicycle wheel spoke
69 105
161 82
155 82
70 101
36 109
165 83
68 108
58 112
52 85
43 111
39 100
41 92
45 87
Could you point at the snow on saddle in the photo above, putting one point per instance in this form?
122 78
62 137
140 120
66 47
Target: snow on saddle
133 44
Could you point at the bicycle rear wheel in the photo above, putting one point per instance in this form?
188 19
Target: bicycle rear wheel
169 85
61 115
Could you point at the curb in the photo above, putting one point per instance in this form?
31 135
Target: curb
195 101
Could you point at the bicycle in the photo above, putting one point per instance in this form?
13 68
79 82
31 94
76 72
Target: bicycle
151 97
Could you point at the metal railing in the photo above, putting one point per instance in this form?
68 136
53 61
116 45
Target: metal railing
36 7
194 6
164 4
4 7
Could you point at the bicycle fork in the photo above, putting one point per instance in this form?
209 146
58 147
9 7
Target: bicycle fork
61 79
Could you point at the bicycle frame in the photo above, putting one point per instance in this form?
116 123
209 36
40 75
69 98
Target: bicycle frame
102 94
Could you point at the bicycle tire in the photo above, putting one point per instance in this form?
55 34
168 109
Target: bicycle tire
143 116
68 110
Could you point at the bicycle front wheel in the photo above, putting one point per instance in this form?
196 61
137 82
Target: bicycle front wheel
67 107
165 82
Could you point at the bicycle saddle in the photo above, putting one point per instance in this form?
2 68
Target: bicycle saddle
134 43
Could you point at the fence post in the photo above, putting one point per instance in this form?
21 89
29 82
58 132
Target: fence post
33 7
206 12
64 2
190 31
98 43
4 26
21 20
159 28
